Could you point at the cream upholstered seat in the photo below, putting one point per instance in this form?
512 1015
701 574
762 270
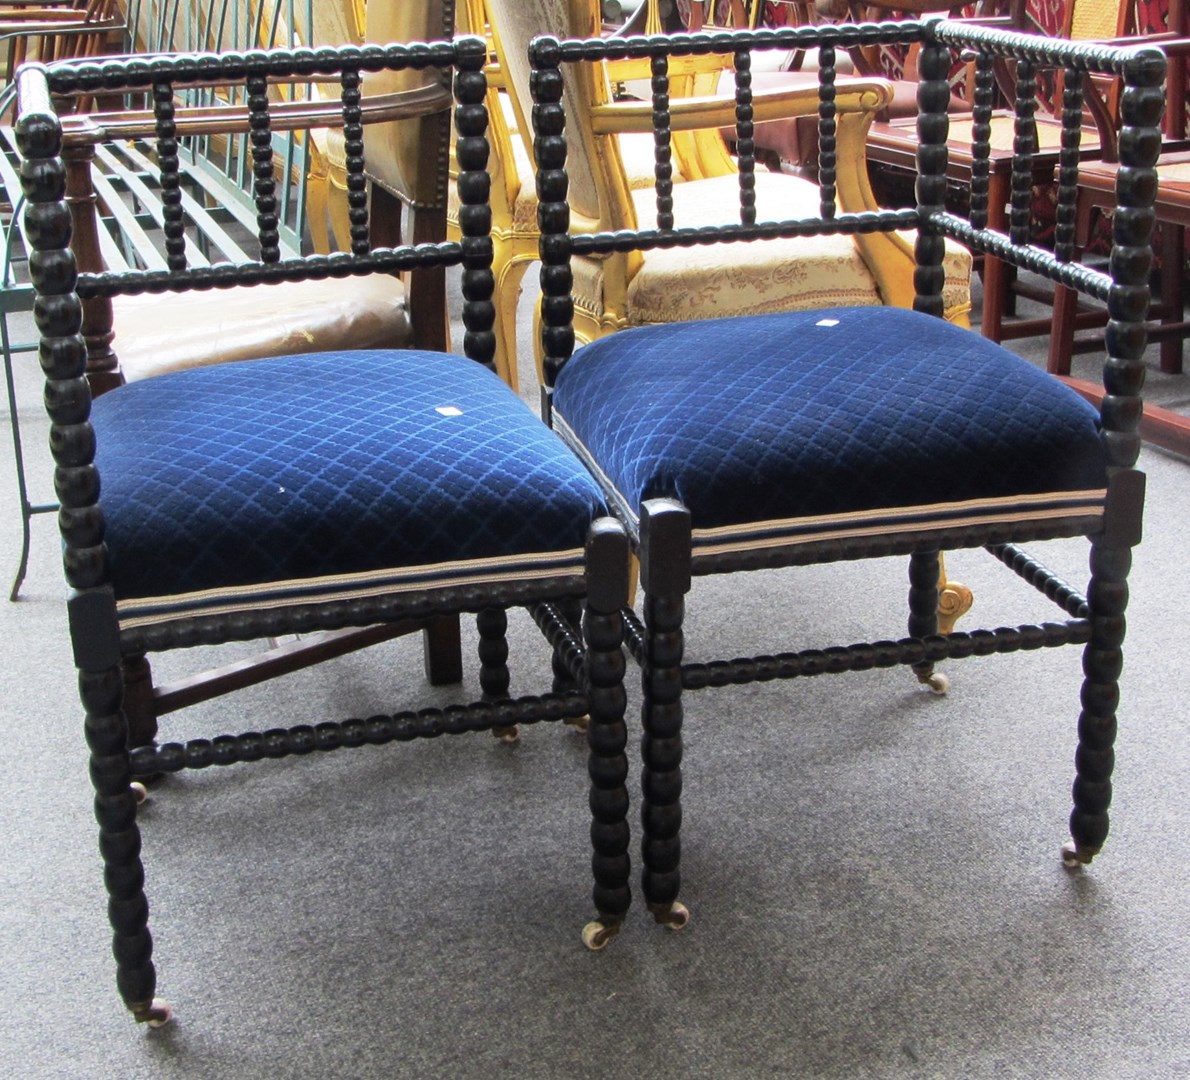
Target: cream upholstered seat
620 291
249 322
154 335
786 275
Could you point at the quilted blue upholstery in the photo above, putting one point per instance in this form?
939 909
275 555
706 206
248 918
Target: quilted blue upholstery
327 464
827 412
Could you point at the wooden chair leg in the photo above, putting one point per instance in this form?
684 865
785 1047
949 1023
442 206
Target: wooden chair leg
1162 427
426 296
508 272
443 650
925 574
996 274
1062 335
427 288
139 706
1173 300
103 372
665 579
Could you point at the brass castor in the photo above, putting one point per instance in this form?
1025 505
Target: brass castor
139 792
937 682
507 735
1074 857
578 723
675 915
156 1014
596 934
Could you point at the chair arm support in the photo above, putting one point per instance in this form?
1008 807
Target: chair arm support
57 28
233 119
27 20
690 114
628 69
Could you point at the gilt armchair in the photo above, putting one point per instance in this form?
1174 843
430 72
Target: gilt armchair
515 233
618 290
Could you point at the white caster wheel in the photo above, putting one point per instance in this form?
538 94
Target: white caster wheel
139 792
938 684
596 935
579 724
1073 858
159 1013
507 735
675 916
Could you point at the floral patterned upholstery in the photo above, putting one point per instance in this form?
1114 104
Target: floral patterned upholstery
678 284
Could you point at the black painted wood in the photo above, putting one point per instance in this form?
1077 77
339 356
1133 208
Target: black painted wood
662 538
981 117
588 655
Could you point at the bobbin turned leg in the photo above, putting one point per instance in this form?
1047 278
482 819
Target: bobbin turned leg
607 732
106 729
492 624
665 580
140 710
923 613
1103 660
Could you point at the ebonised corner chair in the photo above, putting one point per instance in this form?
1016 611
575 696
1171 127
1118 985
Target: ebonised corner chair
851 433
310 492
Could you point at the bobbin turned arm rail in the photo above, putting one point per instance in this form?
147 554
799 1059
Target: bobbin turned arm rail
233 120
1127 290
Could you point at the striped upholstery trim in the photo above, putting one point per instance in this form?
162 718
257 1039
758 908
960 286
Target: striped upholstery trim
758 535
154 610
790 532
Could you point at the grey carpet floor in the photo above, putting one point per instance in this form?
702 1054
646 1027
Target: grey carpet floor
872 872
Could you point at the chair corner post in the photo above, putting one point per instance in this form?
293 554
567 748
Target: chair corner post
665 556
607 556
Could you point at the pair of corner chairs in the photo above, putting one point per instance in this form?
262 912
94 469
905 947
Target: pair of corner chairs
373 486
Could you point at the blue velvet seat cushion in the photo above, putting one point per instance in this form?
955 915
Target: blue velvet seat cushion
825 413
328 466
